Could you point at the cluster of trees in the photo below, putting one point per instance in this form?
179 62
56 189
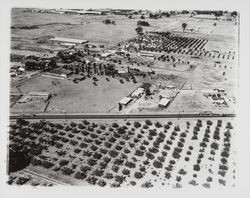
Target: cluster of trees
108 21
17 58
234 14
67 57
20 154
79 65
209 12
154 16
142 17
184 26
160 15
225 153
143 23
90 137
33 63
158 42
139 30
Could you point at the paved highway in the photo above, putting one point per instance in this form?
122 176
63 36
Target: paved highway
116 116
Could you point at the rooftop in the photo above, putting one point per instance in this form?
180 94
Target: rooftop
138 91
164 102
68 40
125 100
38 93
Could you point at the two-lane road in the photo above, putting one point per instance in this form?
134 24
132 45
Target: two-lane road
116 116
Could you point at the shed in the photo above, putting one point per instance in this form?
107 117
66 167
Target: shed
124 101
106 54
21 69
163 102
137 93
170 87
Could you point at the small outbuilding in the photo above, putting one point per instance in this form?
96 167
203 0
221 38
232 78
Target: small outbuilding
137 93
124 101
170 87
163 102
106 54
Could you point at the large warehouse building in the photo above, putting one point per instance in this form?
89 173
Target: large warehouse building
68 40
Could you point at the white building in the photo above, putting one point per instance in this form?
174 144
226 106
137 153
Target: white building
124 101
21 69
122 69
137 93
68 40
163 102
106 54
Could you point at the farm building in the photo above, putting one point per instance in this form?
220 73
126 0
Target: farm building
68 44
163 102
81 12
219 90
90 12
150 54
124 101
31 96
60 72
112 51
170 87
147 55
105 55
21 69
122 70
122 12
39 95
15 67
137 93
68 40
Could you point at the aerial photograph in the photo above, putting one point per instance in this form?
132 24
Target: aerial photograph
123 97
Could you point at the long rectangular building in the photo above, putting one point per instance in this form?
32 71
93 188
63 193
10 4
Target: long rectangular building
68 40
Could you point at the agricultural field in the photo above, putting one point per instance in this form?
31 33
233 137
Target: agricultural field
25 177
76 97
116 153
70 26
162 90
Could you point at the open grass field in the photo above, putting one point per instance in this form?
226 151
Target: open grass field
169 79
83 97
70 26
91 28
210 77
188 101
32 106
